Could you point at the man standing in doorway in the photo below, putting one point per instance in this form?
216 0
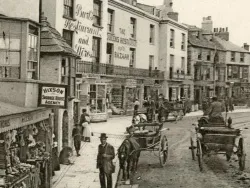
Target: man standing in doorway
106 153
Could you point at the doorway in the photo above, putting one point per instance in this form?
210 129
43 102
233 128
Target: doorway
65 129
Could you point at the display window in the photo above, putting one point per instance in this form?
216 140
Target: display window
97 98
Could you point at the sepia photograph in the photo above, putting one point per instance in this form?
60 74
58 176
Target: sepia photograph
124 94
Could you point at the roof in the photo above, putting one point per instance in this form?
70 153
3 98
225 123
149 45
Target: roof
229 46
53 42
204 43
7 109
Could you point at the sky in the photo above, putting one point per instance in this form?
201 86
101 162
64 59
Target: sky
233 14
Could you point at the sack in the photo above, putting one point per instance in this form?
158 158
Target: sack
112 168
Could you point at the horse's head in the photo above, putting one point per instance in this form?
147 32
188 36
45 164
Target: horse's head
123 153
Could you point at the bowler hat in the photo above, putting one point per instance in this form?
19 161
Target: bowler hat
103 135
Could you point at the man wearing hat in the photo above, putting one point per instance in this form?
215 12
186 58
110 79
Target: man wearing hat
215 110
106 153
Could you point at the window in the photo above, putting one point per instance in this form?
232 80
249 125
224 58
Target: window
242 57
97 12
133 27
32 64
241 72
151 62
171 60
232 56
209 56
235 72
96 42
97 98
110 53
65 71
196 73
152 34
245 72
68 8
110 21
68 36
229 71
222 74
208 72
172 38
199 54
132 57
188 67
183 42
183 65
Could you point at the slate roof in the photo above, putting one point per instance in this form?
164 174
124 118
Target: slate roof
229 46
53 42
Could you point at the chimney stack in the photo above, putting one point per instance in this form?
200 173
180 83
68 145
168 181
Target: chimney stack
207 24
222 33
246 46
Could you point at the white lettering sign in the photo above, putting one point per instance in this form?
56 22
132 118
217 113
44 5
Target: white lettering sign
53 96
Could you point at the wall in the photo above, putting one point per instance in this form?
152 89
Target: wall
25 9
50 68
143 47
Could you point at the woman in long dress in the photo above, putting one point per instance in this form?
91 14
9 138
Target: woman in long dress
87 132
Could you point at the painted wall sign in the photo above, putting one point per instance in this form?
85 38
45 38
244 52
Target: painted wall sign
131 83
121 40
52 95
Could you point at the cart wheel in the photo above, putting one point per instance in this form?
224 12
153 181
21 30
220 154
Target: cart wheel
163 151
199 155
241 154
192 148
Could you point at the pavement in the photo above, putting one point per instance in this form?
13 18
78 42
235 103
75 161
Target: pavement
83 173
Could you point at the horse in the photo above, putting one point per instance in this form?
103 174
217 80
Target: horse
128 154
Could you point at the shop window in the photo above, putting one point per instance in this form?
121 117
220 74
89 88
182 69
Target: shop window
152 34
133 28
96 42
232 56
110 48
97 12
172 37
68 8
68 36
110 20
97 98
132 57
242 57
183 42
32 68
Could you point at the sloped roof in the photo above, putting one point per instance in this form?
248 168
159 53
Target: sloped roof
229 46
53 42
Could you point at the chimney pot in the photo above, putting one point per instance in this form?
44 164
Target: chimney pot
226 29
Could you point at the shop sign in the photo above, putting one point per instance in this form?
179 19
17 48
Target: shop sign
102 81
52 95
131 83
4 123
157 85
149 82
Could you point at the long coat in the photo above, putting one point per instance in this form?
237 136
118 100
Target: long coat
105 162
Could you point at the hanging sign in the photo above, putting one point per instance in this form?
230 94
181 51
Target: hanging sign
52 95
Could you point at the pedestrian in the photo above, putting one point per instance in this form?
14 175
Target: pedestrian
150 109
76 134
231 104
87 131
83 119
136 106
106 154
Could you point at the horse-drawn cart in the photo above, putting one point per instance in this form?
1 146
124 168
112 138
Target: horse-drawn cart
217 138
151 137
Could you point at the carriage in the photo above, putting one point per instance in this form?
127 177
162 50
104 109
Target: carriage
176 109
217 137
151 137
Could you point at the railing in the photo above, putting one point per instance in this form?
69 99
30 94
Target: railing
108 69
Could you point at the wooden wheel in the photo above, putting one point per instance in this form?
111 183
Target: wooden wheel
163 151
241 154
192 148
199 155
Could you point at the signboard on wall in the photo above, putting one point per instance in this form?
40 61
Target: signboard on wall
131 83
52 95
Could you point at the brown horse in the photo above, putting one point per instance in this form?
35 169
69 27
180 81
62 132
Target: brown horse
128 154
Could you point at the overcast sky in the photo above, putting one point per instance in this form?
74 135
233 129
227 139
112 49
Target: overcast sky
233 14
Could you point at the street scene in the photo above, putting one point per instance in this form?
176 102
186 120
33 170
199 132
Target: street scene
124 94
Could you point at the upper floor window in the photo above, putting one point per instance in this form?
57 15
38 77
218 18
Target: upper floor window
242 57
232 56
199 54
189 67
209 56
183 41
151 62
97 12
109 53
152 34
132 57
68 36
65 71
182 65
110 21
32 64
96 46
68 8
172 33
133 27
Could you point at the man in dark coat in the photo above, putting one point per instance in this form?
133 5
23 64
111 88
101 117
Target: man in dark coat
77 134
215 110
106 153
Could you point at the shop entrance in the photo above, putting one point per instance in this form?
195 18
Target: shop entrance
65 129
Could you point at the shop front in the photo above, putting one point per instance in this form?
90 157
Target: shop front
25 149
